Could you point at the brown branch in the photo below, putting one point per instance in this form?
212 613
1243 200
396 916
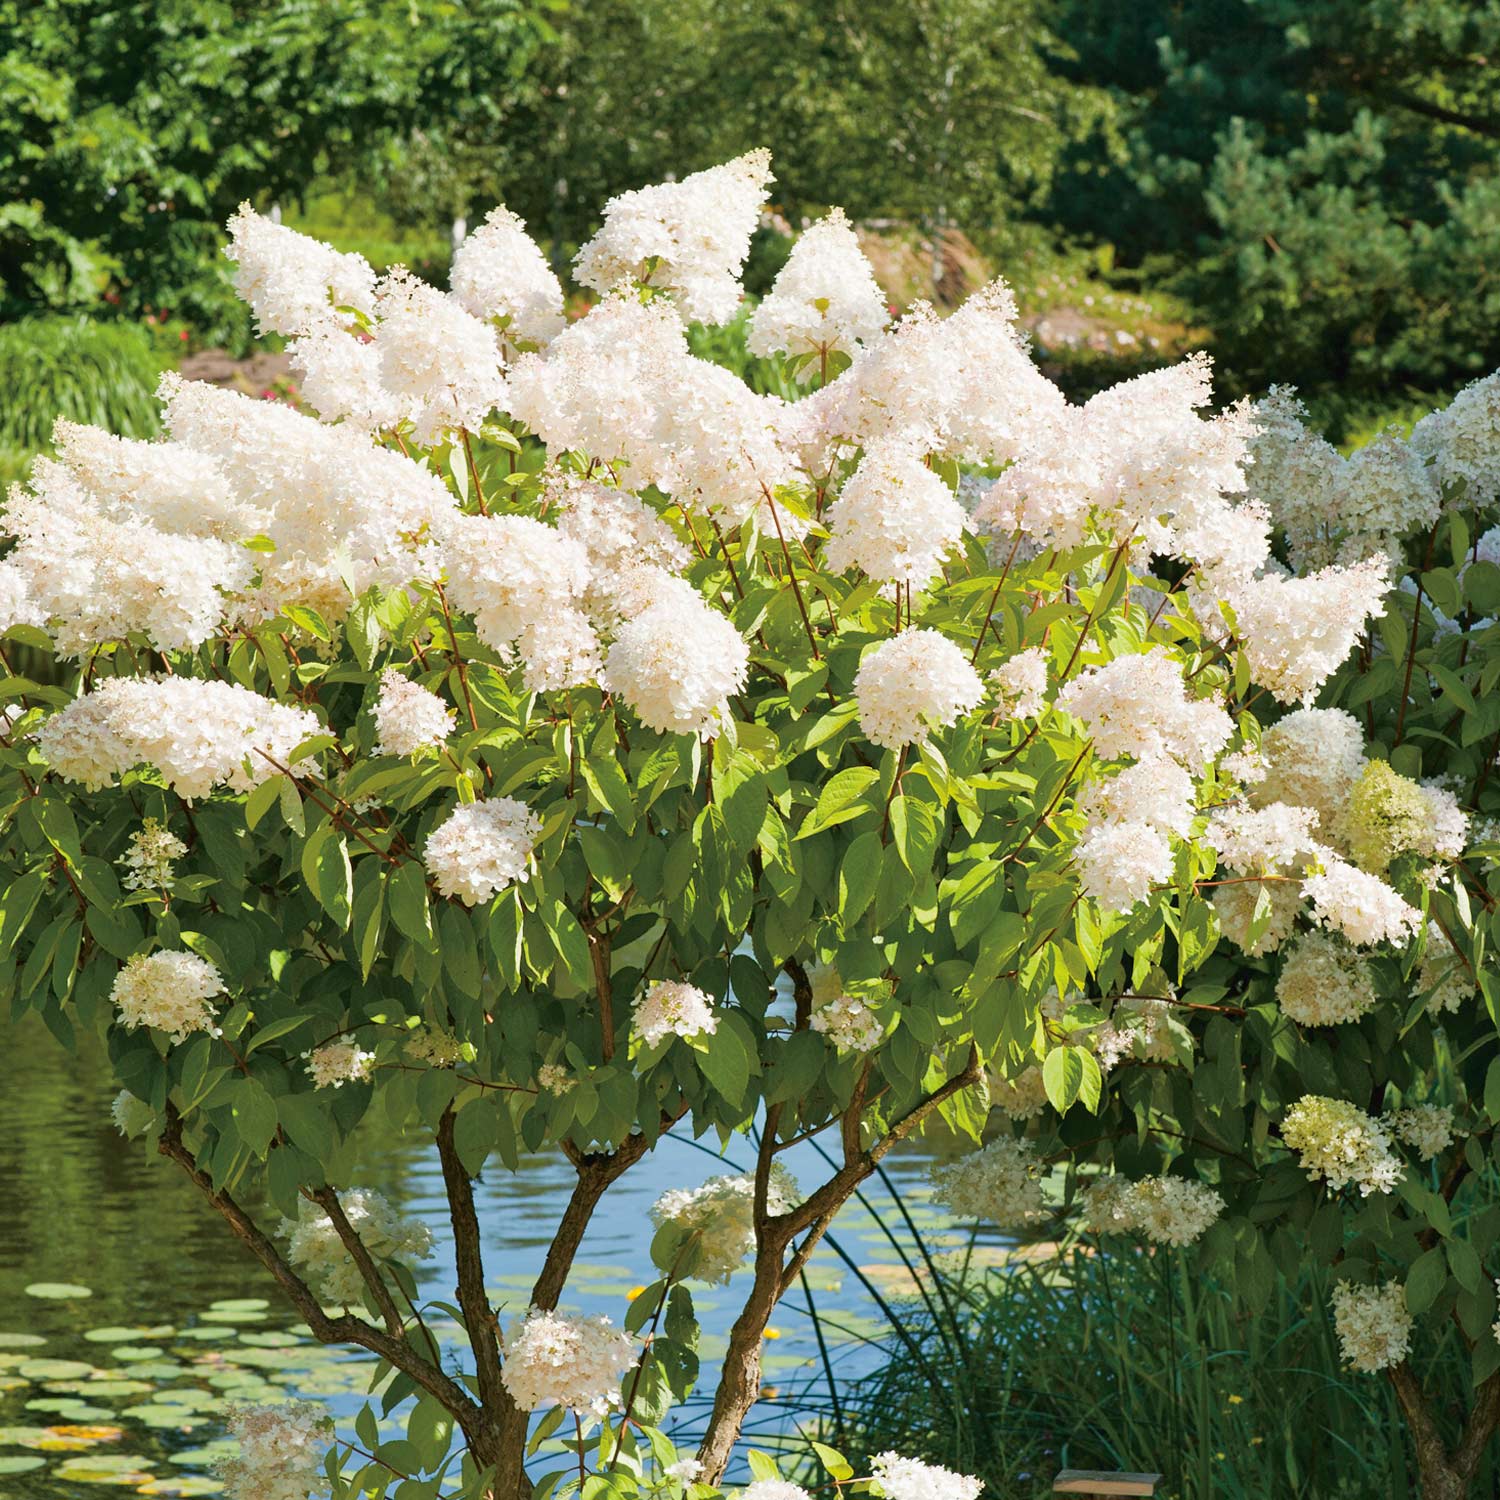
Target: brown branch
328 1199
468 1259
345 1329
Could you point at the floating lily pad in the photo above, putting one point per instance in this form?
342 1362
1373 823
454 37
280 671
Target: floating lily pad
205 1457
173 1418
101 1388
55 1369
273 1340
234 1315
206 1335
21 1464
107 1468
71 1408
21 1340
240 1304
129 1335
63 1438
183 1485
60 1291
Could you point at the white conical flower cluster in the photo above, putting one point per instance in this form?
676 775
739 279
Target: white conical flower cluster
1325 982
409 717
197 734
480 848
846 1020
1462 443
316 1249
336 1063
825 300
894 518
148 861
1339 1142
291 280
689 238
677 661
913 1479
280 1451
170 991
914 683
1000 1184
576 1363
1166 1210
673 1008
1373 1324
719 1216
500 275
1426 1128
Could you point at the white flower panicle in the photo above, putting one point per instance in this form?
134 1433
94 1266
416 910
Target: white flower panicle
1325 982
1269 840
1361 906
343 512
148 860
197 734
166 485
1022 683
1373 1324
825 299
913 683
689 238
553 1078
720 1217
481 848
846 1020
576 1363
339 374
1339 1142
315 1247
441 360
772 1489
131 1116
894 518
1426 1128
1000 1184
280 1452
1311 758
672 1008
1022 1097
291 280
1297 631
1137 705
1333 509
1462 443
1166 1210
336 1063
409 717
1120 863
618 531
677 661
169 991
1235 907
966 380
92 574
912 1479
500 274
1443 975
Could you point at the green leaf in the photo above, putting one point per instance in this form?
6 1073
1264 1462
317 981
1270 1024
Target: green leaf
859 876
406 898
1425 1280
838 801
727 1057
254 1112
1062 1077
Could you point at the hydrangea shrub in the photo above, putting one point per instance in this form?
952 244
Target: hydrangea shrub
548 741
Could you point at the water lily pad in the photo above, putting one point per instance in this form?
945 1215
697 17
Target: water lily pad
21 1464
206 1335
134 1353
205 1457
101 1389
173 1418
129 1335
55 1369
272 1340
71 1408
240 1304
21 1340
106 1468
182 1486
234 1315
60 1291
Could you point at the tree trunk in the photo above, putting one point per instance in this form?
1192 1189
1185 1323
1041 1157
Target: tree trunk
739 1381
1441 1474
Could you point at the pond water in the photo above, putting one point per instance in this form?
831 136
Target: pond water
131 1315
